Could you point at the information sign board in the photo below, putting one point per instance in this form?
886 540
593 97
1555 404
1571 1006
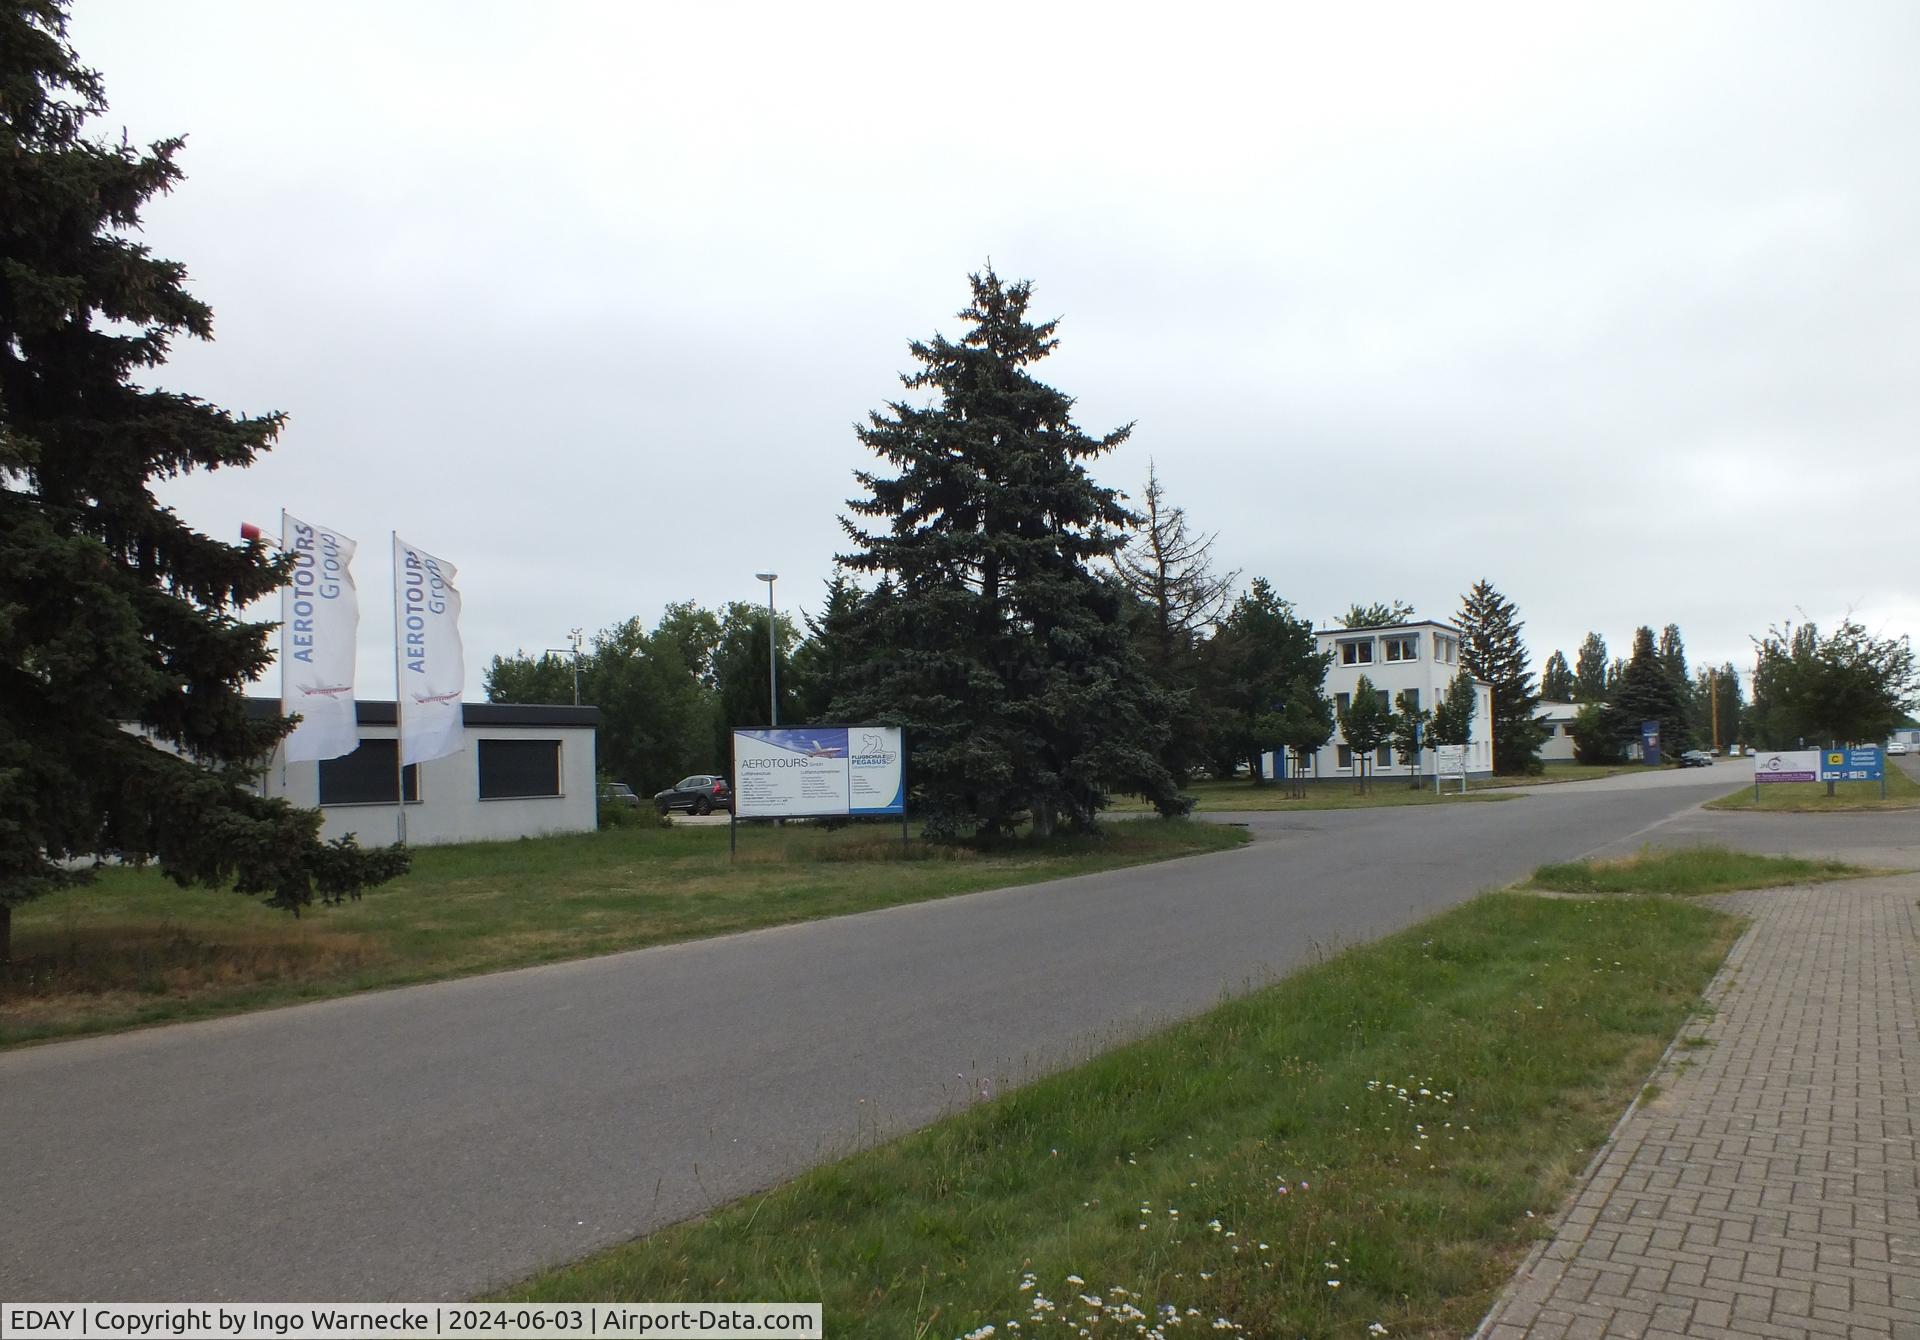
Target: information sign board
810 771
1795 765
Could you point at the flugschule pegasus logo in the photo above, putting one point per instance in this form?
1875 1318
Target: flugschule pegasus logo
873 750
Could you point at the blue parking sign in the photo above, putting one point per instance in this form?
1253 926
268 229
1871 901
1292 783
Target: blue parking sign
1860 763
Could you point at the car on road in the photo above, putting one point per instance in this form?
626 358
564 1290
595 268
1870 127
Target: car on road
702 793
1695 758
620 794
1898 747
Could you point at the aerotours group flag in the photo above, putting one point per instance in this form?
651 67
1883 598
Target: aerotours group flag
319 625
432 667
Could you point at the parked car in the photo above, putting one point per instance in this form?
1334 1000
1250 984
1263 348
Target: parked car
1695 758
619 793
702 793
1898 747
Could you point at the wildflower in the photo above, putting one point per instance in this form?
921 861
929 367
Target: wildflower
1214 1224
1333 1284
981 1333
1075 1280
1376 1329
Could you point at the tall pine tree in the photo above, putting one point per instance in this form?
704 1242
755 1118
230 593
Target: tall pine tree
1590 670
1005 658
1646 692
113 611
1491 649
1556 681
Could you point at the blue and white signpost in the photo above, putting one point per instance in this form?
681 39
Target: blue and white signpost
819 772
1855 763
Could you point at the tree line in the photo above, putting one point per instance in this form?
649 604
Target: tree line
1044 645
1806 687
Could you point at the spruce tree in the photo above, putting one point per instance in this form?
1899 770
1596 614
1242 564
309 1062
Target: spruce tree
1646 692
1673 660
1491 649
1556 681
1006 660
1590 670
113 612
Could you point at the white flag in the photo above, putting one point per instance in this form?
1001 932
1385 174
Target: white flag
319 622
432 666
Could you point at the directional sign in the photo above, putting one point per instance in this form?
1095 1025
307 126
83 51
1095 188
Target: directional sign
1861 763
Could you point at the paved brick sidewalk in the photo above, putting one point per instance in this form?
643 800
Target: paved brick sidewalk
1773 1186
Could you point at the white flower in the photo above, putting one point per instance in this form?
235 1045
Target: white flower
1075 1279
1376 1329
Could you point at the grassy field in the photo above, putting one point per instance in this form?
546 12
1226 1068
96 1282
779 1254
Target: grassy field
1688 870
1903 793
1559 770
132 949
1372 1143
1240 796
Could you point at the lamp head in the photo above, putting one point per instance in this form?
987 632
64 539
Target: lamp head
767 576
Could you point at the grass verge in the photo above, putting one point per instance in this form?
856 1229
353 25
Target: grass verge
1903 793
1688 870
1372 1142
1239 795
1561 770
132 949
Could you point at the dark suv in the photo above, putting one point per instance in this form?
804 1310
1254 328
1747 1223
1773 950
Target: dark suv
702 793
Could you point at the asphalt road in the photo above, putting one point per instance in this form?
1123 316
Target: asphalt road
435 1141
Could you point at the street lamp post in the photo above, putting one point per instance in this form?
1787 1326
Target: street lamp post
773 653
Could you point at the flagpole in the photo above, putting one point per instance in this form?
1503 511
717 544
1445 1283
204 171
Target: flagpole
399 735
284 596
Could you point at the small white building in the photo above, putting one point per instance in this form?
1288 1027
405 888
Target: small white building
1556 725
1417 658
526 771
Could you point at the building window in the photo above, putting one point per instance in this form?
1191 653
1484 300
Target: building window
1359 652
1344 702
1410 699
1446 648
1345 758
366 776
518 769
1383 756
1404 648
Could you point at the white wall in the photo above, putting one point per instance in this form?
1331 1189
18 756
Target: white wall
1430 676
450 808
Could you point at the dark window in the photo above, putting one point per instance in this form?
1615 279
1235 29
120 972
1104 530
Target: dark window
1383 756
1411 699
1346 703
1385 701
1344 756
1357 653
365 777
518 768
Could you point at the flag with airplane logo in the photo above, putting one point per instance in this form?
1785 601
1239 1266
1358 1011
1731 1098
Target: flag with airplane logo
432 667
319 626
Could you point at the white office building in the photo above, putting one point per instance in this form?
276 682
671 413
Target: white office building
1556 724
525 771
1416 658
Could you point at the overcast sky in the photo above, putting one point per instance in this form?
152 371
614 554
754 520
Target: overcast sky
1615 307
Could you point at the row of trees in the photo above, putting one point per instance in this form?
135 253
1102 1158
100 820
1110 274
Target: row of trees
1044 644
1806 686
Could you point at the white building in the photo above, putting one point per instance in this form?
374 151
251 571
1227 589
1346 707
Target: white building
1416 658
526 771
1556 723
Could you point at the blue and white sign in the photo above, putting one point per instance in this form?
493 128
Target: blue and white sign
818 770
1861 763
